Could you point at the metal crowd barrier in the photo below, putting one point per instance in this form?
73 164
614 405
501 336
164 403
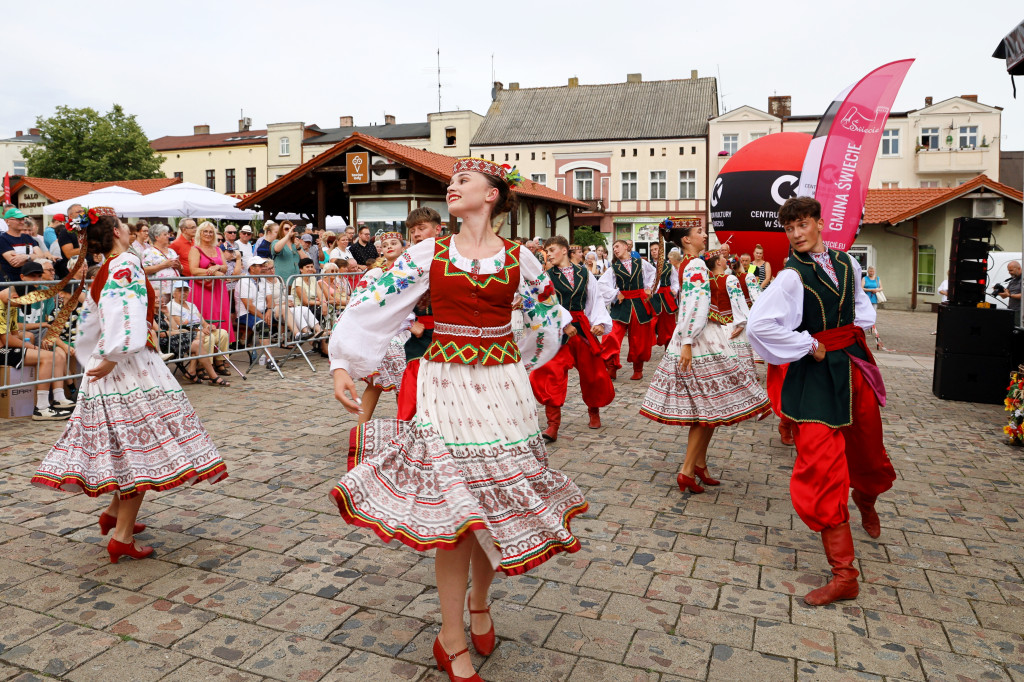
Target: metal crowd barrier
294 319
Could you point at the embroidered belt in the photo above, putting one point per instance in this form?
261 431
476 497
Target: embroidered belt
445 329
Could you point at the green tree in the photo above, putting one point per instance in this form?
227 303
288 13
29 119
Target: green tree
586 236
80 144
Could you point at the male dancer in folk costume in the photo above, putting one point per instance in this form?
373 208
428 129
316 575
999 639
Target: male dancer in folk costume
813 317
422 223
664 298
628 285
578 292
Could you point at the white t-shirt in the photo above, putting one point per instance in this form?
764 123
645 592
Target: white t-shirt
337 253
187 312
247 251
255 291
944 287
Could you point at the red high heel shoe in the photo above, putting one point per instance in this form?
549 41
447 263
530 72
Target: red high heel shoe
107 523
484 644
702 474
444 662
116 550
687 483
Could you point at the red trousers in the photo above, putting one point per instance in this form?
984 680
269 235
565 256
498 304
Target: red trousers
664 326
407 391
550 381
641 338
829 461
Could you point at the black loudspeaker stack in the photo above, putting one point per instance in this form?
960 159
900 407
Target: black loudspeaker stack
968 261
974 353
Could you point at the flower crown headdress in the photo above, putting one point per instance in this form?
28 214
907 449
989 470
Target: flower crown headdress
392 235
89 217
509 174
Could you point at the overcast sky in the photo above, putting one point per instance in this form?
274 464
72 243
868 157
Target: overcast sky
177 64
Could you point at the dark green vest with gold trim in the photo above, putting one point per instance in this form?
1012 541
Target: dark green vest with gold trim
630 280
573 296
820 391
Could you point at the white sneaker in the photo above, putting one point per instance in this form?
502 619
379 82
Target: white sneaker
63 404
49 415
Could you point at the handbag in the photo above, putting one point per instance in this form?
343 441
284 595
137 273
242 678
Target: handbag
880 296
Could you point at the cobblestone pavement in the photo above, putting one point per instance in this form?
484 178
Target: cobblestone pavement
258 578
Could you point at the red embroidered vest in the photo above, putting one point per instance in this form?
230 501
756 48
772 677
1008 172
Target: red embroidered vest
721 308
473 311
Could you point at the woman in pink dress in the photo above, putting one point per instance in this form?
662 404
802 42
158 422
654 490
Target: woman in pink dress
210 296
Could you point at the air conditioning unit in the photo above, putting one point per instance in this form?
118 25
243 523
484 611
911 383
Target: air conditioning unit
379 172
988 209
247 122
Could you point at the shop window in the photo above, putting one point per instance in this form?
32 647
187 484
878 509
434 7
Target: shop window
926 269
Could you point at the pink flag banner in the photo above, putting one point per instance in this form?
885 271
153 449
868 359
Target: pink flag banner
837 168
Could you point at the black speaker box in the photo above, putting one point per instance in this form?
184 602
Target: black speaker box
968 261
971 378
981 332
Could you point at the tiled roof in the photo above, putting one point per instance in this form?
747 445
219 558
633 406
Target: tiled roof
59 190
616 111
232 139
892 206
393 131
435 165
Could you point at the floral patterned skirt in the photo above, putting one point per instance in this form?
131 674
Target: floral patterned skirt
744 351
472 461
717 389
133 430
388 376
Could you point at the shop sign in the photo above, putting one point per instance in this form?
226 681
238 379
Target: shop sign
357 168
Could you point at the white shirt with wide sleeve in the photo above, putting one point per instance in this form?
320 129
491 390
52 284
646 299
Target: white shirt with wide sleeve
779 311
597 308
610 287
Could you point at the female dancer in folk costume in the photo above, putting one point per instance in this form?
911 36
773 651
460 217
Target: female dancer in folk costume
627 285
388 375
664 298
468 475
700 382
737 295
133 429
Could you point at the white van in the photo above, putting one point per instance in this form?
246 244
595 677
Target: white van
998 274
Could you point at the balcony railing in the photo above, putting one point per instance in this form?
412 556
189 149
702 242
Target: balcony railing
594 205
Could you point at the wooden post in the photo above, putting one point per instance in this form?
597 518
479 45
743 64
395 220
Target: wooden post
532 207
321 204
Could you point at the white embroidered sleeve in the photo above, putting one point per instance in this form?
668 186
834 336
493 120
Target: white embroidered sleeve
122 309
864 313
694 304
740 312
650 274
543 318
597 310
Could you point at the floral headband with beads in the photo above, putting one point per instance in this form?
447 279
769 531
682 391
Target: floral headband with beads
392 235
505 172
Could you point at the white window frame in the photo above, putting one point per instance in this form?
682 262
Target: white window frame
756 136
583 184
968 135
932 133
889 137
930 184
691 181
730 143
890 184
660 181
20 167
633 182
539 178
869 254
284 146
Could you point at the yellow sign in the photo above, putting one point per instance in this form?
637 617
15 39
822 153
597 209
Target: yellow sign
357 168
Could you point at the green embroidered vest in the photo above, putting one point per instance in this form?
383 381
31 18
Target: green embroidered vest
820 391
626 281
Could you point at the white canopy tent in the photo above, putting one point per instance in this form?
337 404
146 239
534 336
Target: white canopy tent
118 198
187 200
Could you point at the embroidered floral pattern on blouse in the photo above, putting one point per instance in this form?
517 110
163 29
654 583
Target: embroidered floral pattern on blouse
695 303
403 274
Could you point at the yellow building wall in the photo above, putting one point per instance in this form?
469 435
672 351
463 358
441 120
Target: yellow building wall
193 164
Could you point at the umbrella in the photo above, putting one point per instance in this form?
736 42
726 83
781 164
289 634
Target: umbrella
121 199
187 199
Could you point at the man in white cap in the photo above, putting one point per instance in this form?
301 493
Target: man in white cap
245 246
252 299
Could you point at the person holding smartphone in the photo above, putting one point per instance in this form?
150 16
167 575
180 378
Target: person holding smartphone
285 251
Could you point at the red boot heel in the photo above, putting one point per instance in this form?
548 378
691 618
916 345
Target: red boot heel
116 550
702 474
687 483
484 644
107 523
444 662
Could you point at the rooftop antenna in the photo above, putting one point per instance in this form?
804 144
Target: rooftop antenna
439 79
721 95
492 68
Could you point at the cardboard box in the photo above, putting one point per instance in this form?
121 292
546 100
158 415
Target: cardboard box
18 401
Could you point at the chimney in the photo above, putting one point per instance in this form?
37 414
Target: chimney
242 125
498 87
19 133
969 98
574 82
513 86
693 74
389 120
201 130
927 101
34 131
346 122
780 105
634 78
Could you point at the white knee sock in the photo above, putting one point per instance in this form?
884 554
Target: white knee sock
58 395
42 400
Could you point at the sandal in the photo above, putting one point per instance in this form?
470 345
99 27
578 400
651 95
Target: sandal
222 370
190 377
218 382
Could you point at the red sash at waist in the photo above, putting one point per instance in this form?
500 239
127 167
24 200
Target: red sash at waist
848 335
665 290
581 318
633 293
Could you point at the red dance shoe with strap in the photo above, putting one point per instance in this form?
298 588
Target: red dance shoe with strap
107 523
116 550
444 662
702 474
484 644
687 483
